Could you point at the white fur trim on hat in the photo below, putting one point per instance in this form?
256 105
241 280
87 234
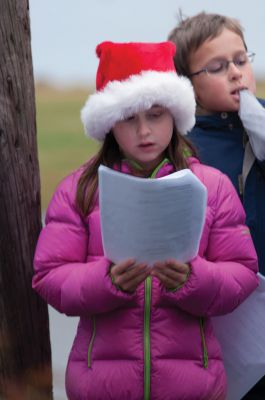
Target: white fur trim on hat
120 99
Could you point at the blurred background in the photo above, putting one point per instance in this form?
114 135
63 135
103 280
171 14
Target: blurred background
64 36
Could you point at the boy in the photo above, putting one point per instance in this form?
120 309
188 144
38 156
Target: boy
212 52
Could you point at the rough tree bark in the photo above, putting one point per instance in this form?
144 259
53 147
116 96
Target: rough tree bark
25 355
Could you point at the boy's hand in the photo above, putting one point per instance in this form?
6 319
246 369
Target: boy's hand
127 275
171 273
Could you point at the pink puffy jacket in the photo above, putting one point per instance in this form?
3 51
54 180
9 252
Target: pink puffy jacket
154 344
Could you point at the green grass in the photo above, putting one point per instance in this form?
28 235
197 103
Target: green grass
261 89
62 143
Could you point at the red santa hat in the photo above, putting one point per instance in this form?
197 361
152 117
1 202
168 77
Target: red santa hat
132 77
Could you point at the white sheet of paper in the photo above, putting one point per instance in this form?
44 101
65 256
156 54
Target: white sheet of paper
151 219
252 115
242 338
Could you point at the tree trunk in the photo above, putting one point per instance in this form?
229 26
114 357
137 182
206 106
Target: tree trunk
25 355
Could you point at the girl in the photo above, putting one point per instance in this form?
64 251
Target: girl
144 333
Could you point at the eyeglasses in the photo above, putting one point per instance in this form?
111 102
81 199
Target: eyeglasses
219 67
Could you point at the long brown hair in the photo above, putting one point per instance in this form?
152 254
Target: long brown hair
110 154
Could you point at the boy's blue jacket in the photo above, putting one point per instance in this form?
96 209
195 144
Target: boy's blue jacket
219 139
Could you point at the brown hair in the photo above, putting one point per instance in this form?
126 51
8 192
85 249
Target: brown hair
192 32
110 154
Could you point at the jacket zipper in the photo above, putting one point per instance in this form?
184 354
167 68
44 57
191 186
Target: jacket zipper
147 317
147 352
91 342
205 352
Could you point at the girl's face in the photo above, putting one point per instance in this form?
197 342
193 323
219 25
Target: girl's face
144 136
219 91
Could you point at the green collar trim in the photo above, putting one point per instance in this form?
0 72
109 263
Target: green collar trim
163 162
187 152
138 167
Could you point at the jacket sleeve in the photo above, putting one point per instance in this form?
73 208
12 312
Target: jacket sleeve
262 166
227 273
63 277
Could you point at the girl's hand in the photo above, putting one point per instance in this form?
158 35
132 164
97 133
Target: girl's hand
127 275
171 273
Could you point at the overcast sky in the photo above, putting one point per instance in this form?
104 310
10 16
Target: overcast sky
65 32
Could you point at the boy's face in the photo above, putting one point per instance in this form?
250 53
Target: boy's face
220 91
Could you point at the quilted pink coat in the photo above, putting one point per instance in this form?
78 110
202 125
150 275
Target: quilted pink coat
154 344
